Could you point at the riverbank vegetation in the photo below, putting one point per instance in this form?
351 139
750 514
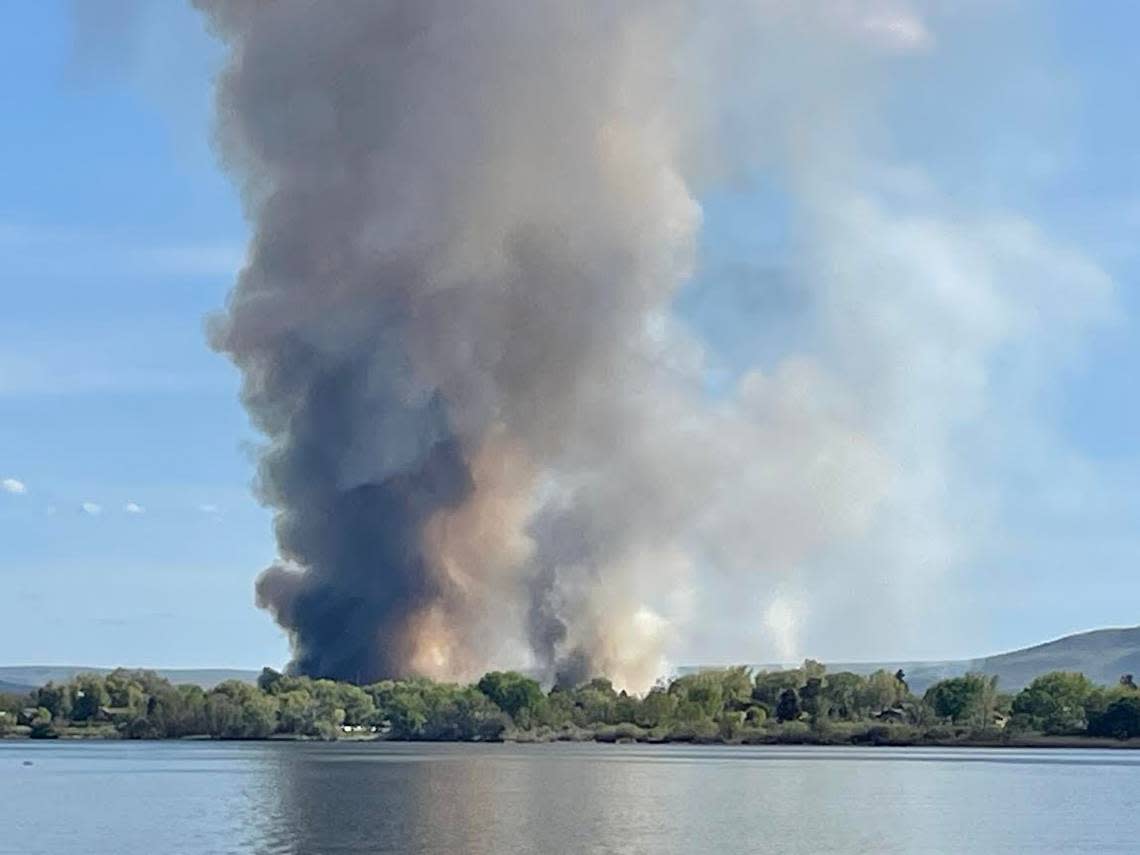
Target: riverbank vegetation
732 705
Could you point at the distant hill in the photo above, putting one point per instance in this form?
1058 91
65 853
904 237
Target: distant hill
1102 655
23 676
7 688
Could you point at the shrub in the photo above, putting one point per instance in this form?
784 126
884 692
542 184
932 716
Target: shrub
701 730
788 706
940 733
755 715
624 732
1121 720
792 732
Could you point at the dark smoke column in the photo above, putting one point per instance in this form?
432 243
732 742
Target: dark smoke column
464 216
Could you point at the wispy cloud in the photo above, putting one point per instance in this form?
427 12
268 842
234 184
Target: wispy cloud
134 508
91 509
13 486
208 509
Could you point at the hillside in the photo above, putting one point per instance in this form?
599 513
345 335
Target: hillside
1103 655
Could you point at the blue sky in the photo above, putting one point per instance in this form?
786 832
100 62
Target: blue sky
119 234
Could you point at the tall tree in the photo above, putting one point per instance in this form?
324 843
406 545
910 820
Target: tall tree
788 706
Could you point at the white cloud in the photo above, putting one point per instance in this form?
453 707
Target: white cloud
208 509
11 485
133 508
92 509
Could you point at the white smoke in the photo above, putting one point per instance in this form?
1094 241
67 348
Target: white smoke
491 440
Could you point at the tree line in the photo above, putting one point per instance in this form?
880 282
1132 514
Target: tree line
805 704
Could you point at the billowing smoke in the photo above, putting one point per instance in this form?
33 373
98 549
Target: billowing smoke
491 440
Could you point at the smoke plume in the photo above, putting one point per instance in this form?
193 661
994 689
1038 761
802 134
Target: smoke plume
490 439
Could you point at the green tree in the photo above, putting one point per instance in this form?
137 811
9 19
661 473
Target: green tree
131 692
355 705
768 685
812 699
1121 719
843 691
603 685
626 707
963 700
381 694
755 716
657 708
788 706
185 711
558 709
463 713
1054 703
513 693
421 709
594 703
41 724
12 703
56 699
900 678
736 687
879 692
297 712
236 710
89 695
268 679
707 694
406 711
729 724
813 669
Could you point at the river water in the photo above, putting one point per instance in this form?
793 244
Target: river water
131 797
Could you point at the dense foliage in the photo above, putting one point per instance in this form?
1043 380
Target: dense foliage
805 704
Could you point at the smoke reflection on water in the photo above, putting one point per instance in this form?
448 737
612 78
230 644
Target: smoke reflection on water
296 799
505 799
442 798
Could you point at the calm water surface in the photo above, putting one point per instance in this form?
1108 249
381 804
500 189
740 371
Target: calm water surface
132 798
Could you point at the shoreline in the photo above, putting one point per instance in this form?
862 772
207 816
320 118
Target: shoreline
774 740
806 706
